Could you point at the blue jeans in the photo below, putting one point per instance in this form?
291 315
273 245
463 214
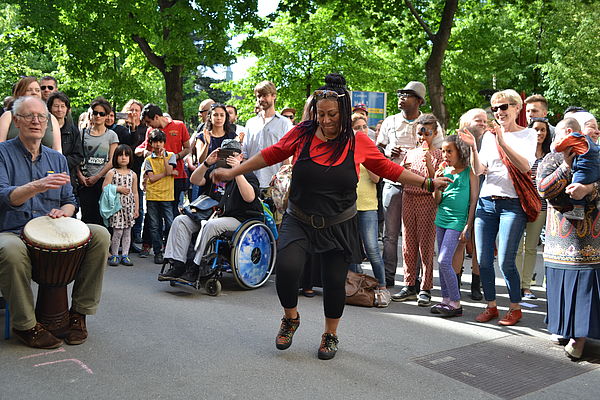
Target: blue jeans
505 219
136 231
368 228
155 212
392 205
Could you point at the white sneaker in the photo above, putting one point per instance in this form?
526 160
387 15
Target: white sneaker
382 298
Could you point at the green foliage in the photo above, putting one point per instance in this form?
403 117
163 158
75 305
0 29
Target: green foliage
128 47
296 56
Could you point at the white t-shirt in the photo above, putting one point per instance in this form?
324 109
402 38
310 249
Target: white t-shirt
497 180
262 133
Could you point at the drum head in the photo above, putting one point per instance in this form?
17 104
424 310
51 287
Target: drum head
252 254
56 233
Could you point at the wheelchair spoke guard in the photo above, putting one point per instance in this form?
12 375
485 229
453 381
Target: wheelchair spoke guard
252 254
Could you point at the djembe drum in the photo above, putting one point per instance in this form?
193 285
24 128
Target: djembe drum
56 249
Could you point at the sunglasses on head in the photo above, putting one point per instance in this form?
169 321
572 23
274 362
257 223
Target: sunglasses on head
100 113
215 105
502 107
327 94
44 87
425 132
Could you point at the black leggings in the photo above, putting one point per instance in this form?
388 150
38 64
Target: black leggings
290 264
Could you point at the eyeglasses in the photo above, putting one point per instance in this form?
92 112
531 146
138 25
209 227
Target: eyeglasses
402 94
202 112
100 113
538 119
30 117
327 94
425 132
288 116
44 87
502 107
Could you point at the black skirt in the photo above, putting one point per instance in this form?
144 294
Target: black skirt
342 237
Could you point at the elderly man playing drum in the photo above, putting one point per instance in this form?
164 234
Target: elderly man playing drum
35 182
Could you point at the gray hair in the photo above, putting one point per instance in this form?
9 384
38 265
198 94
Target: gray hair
20 103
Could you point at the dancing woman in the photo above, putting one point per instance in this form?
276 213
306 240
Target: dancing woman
321 217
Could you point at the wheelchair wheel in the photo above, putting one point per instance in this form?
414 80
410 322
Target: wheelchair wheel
213 287
252 254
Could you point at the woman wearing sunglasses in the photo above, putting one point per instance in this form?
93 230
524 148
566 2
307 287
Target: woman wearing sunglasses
321 217
99 144
29 86
507 153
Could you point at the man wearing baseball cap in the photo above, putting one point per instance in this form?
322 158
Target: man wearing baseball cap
396 136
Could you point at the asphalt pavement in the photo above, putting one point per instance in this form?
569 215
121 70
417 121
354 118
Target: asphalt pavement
153 341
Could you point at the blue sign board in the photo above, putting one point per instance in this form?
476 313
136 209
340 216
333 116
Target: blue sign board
376 103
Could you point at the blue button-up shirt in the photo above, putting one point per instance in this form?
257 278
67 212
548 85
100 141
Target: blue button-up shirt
17 169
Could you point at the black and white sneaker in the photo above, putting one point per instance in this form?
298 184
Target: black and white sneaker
424 298
406 293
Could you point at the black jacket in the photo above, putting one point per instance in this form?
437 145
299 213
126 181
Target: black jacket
70 139
233 205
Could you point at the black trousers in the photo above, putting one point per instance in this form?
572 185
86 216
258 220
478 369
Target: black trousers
290 264
89 197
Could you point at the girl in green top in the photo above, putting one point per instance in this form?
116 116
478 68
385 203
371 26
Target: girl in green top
454 219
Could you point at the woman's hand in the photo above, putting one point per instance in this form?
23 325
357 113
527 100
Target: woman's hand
123 190
206 135
466 137
578 191
465 234
136 214
91 181
212 157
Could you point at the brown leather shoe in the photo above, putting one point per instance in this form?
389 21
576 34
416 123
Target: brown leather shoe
511 318
487 315
77 333
38 337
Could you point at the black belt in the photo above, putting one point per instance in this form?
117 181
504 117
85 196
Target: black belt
319 221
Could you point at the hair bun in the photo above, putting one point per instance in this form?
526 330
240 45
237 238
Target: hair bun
335 80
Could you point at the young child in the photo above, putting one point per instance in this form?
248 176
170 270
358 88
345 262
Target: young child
121 222
454 219
586 164
159 170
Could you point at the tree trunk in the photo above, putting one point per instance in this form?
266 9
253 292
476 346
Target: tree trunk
433 67
174 88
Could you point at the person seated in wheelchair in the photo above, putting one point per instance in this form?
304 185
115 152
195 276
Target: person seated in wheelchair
239 202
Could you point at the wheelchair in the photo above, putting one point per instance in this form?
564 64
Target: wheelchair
248 253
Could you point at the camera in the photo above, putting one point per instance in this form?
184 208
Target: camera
222 157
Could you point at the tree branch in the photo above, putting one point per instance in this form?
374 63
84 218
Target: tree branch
157 61
423 24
